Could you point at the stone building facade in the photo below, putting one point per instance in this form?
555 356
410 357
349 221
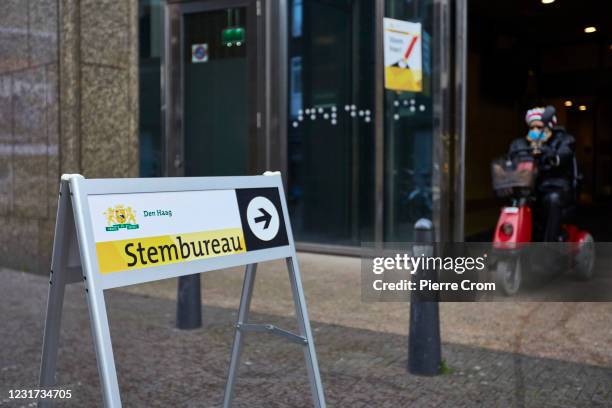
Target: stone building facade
68 104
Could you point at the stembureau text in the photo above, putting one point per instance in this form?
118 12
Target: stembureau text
142 255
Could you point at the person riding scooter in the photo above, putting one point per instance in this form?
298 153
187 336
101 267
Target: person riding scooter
553 150
540 179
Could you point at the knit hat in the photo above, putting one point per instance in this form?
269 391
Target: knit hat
548 115
534 114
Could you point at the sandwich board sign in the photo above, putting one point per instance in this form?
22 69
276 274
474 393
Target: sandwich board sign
111 233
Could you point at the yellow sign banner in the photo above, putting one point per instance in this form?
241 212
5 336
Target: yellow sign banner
137 253
401 79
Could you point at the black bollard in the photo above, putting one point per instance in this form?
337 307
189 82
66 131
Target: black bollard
424 355
189 302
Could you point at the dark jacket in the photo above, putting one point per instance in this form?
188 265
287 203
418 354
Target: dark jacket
560 144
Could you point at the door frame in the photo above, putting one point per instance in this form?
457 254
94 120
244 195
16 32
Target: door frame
460 111
173 81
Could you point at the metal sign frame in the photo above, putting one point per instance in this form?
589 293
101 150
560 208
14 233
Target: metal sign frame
74 259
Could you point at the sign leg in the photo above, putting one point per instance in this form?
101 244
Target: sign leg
58 279
55 302
316 387
243 316
104 350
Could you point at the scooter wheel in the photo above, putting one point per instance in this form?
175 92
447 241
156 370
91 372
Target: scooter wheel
584 259
508 276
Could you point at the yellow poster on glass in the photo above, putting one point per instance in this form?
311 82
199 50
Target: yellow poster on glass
403 55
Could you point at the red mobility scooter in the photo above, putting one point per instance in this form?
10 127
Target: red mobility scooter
514 257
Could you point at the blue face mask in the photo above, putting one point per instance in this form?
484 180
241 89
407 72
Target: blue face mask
535 135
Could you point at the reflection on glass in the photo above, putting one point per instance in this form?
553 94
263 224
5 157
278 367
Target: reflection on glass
296 98
296 22
331 126
408 124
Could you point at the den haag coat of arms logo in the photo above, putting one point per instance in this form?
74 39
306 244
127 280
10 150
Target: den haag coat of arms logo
120 217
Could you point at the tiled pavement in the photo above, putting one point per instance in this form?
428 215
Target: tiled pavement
159 366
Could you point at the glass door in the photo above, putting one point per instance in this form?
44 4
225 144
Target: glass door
417 117
368 142
331 140
215 72
409 130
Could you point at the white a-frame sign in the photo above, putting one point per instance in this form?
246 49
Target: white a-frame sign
116 232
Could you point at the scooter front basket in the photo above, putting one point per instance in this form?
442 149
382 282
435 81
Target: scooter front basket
507 176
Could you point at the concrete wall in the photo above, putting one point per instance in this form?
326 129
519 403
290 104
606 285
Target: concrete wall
68 104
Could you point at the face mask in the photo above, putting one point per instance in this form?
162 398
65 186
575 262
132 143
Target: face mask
535 135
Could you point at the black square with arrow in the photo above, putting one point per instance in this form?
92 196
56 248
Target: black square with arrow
262 218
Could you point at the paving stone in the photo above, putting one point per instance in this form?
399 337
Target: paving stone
160 366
